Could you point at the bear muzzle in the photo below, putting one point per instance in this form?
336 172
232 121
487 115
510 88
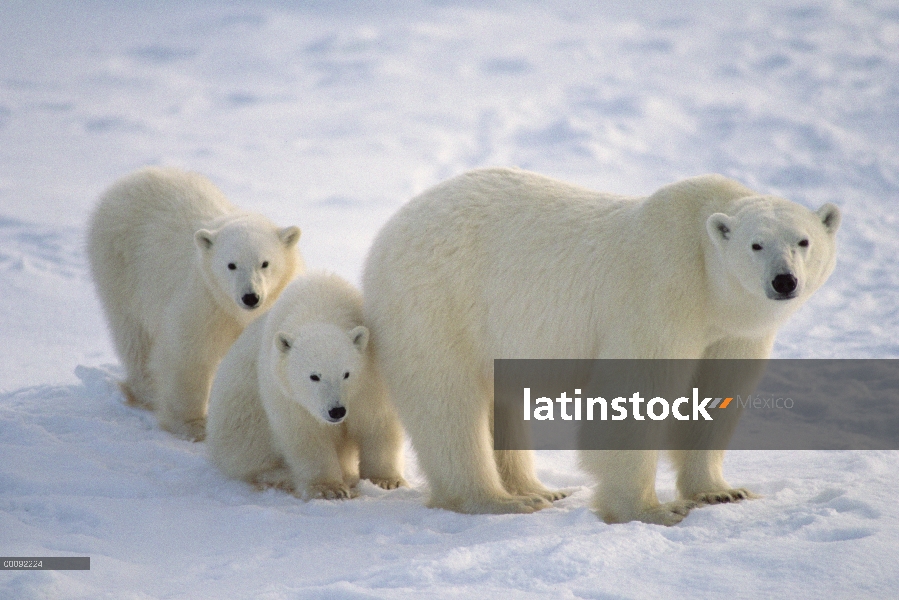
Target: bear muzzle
250 301
336 414
784 286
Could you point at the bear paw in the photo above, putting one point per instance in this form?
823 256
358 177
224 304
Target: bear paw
559 494
134 399
724 496
538 491
670 513
388 483
279 478
551 495
502 506
193 430
330 491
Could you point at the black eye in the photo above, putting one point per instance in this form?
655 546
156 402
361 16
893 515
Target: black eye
346 375
314 377
231 266
265 264
756 247
803 243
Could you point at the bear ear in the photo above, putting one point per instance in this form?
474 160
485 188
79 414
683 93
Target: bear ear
719 227
830 216
283 342
204 239
359 335
289 236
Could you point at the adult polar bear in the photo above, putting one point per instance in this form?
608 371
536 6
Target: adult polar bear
180 272
502 263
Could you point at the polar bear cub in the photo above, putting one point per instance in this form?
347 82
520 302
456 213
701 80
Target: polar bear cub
502 263
298 402
180 272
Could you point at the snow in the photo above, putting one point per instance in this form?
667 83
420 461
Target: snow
332 115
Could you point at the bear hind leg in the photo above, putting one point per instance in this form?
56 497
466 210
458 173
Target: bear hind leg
449 429
134 345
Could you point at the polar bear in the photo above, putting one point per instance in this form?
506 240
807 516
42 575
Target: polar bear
503 263
298 402
180 272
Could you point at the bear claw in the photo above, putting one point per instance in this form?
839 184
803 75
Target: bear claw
388 483
330 491
724 496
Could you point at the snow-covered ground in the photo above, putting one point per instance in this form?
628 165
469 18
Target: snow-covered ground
330 116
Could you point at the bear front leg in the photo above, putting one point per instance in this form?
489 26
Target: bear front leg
700 477
381 457
516 469
183 396
185 357
310 451
626 488
374 426
183 364
279 478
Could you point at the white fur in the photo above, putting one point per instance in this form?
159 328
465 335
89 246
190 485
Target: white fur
160 244
270 413
502 263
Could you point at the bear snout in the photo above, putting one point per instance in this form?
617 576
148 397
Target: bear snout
336 414
250 300
784 284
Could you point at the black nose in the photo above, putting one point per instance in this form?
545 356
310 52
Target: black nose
337 413
784 283
251 300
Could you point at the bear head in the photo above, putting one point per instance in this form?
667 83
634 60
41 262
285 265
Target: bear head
778 251
318 366
247 262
